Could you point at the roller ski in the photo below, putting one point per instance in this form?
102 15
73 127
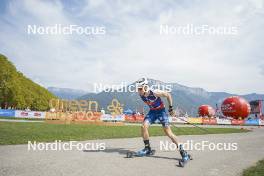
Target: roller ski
185 157
141 153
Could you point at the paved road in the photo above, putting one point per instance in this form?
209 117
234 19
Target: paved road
17 160
203 126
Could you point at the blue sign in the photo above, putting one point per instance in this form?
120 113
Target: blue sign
7 113
252 122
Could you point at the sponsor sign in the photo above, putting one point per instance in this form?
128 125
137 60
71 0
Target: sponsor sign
252 122
237 122
7 113
261 122
195 120
209 121
134 118
178 119
109 117
223 121
30 114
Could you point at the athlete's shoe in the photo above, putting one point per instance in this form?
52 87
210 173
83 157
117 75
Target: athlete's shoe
144 152
184 154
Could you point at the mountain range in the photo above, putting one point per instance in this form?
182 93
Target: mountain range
67 93
186 99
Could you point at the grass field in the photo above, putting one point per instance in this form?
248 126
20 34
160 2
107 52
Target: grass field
21 132
257 170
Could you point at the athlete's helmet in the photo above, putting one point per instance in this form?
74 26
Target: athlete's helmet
141 82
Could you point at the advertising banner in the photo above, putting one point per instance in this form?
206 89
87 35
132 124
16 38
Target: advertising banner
178 119
237 122
252 122
130 118
194 120
134 118
109 117
140 118
7 113
209 121
119 118
223 121
261 122
30 114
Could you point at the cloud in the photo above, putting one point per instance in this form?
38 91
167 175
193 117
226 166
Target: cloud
133 46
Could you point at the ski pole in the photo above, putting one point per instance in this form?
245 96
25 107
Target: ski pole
193 124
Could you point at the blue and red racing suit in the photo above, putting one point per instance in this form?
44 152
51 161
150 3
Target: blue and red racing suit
157 109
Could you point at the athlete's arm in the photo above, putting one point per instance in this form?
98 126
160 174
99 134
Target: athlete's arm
161 93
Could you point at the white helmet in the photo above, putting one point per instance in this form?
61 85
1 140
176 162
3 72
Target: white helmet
141 82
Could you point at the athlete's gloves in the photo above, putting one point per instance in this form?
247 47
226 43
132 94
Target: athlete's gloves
171 111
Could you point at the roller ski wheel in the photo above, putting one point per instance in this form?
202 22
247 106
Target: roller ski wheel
190 157
185 160
181 163
130 154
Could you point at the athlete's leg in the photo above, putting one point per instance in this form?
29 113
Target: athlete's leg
171 135
145 135
174 139
144 130
149 119
164 119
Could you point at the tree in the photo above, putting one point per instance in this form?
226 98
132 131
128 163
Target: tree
19 91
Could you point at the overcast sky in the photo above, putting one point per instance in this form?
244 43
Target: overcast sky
133 46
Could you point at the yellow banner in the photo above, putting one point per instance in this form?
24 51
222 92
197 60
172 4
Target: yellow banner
194 120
